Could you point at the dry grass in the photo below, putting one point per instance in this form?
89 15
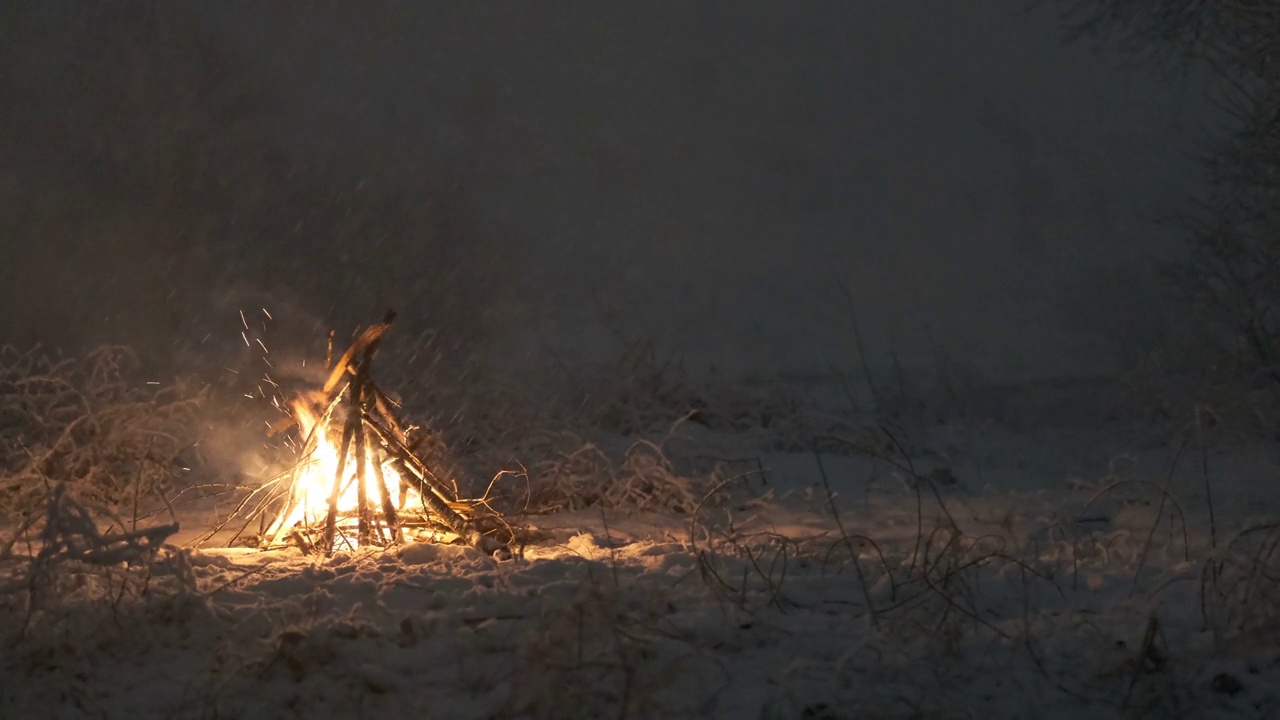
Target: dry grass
640 478
1240 586
87 423
83 451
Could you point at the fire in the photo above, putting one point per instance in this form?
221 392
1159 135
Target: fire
313 483
370 478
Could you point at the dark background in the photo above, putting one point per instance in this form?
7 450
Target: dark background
538 181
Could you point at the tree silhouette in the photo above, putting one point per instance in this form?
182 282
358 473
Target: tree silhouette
1234 267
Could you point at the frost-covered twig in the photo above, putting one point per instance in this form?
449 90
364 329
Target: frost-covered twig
83 423
67 532
68 559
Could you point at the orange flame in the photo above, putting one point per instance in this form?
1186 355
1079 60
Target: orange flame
313 483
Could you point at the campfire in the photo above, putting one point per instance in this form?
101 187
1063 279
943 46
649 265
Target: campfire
359 479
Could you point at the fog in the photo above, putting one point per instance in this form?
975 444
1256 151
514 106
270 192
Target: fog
528 182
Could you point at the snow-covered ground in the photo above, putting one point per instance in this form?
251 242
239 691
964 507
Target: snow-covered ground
1046 557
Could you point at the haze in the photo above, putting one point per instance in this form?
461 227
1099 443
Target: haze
532 181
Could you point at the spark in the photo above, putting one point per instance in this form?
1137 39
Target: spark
224 367
246 322
264 312
264 347
153 382
246 339
206 338
268 362
269 380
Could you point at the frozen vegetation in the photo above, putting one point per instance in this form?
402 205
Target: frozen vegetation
748 550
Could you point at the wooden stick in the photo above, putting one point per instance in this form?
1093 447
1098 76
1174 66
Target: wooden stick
388 505
367 340
411 469
400 440
365 522
438 508
303 544
397 449
368 389
331 522
382 404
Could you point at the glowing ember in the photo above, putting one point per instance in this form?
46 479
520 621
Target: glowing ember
309 502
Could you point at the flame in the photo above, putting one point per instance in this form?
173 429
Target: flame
313 483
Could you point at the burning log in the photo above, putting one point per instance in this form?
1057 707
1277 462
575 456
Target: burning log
372 475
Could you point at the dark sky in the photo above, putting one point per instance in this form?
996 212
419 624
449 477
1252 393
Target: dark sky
519 177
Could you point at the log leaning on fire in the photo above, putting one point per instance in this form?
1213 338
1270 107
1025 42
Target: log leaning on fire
366 342
434 494
364 345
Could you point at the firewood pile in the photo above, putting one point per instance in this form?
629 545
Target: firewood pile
359 478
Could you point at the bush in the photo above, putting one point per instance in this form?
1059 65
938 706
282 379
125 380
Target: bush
1232 273
82 422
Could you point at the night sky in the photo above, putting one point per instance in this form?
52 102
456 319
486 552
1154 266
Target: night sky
538 180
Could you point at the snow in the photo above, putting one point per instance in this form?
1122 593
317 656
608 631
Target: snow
1036 603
